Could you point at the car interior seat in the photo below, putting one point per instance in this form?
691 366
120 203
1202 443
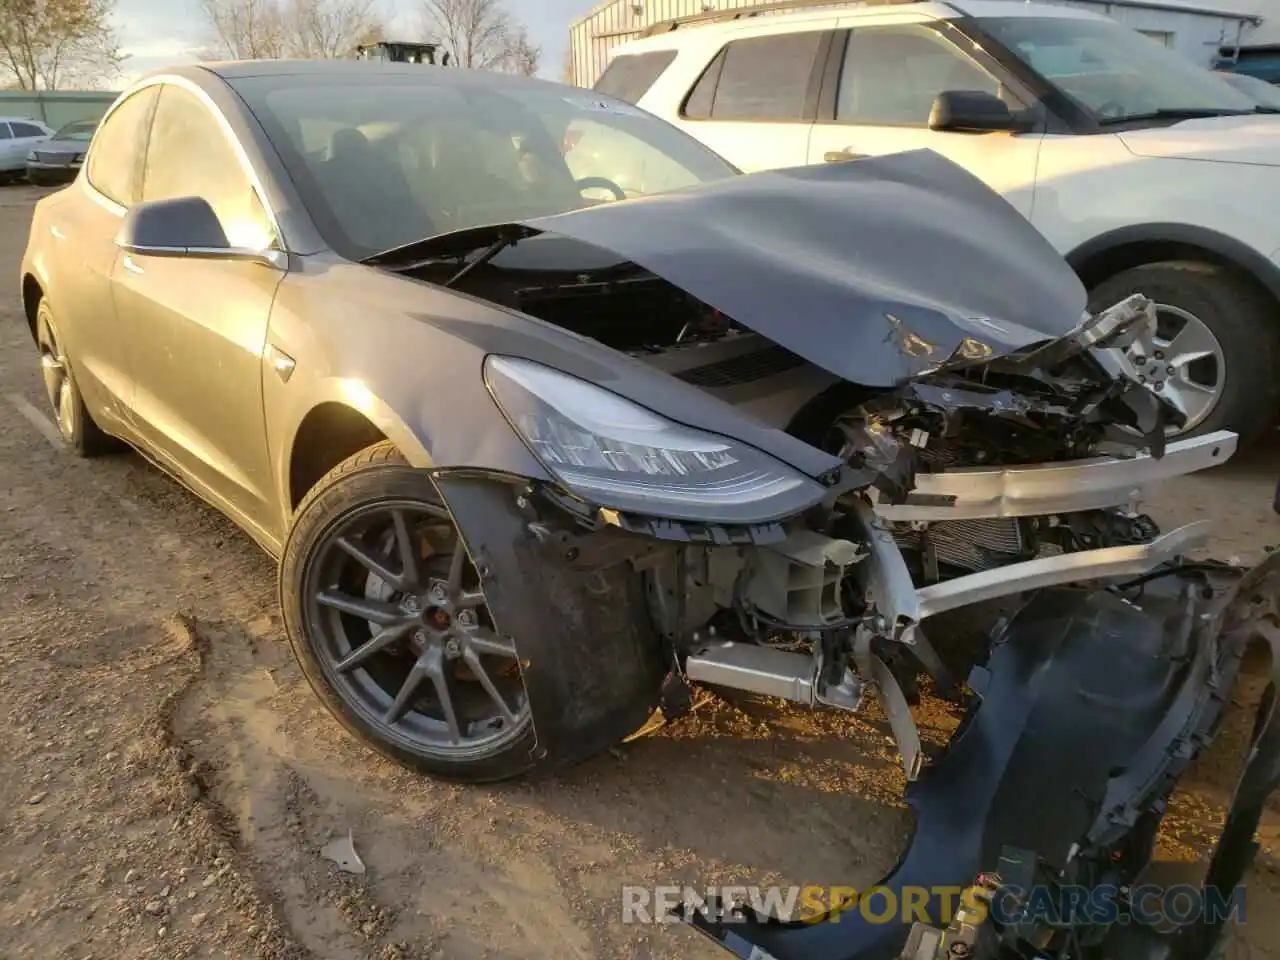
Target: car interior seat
369 190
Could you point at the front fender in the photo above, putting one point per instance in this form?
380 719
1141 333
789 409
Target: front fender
423 389
1262 268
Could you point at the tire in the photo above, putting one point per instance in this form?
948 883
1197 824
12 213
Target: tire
79 431
358 491
1243 320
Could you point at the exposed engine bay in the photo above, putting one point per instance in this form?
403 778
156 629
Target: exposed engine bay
983 477
992 461
1071 402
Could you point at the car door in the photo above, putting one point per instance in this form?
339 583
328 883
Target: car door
197 326
26 137
83 227
755 102
889 76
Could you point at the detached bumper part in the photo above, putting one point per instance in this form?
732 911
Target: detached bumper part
977 493
1041 764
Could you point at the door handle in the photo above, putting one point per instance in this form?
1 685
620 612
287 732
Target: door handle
129 264
840 156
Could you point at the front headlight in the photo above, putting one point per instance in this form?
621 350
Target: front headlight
615 453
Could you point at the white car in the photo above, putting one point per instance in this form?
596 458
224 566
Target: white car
18 136
1148 173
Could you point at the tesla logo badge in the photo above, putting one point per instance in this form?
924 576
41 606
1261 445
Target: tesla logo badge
281 363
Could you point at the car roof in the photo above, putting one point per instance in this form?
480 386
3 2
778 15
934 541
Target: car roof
1010 8
925 9
412 74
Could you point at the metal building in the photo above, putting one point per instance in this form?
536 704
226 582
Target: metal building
1199 29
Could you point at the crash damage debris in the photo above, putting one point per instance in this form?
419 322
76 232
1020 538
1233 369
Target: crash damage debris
814 453
342 851
988 815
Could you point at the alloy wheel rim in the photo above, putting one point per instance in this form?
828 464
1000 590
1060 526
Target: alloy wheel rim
401 627
57 382
1184 363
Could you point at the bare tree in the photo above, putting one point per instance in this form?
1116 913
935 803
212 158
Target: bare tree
273 29
482 35
48 43
328 29
522 56
245 29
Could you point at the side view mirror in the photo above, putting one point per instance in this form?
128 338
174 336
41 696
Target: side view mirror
973 111
183 227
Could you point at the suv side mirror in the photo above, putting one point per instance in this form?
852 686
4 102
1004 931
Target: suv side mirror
973 111
182 227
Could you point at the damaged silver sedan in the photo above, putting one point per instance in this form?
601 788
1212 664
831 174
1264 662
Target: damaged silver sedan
548 414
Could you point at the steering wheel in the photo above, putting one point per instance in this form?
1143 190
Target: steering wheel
601 183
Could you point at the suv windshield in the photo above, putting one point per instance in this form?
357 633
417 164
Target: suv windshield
1264 93
384 161
1114 73
77 130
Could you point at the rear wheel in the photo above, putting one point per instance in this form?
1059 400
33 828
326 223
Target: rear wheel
75 424
1218 343
389 622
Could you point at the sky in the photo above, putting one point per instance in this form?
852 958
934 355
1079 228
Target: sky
160 33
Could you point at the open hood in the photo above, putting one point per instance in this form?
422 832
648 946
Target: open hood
877 270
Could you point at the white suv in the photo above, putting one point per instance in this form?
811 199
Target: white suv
1150 174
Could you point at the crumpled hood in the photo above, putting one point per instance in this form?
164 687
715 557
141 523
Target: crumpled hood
1247 139
877 270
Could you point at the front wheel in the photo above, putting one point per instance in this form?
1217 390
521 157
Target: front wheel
388 620
1217 346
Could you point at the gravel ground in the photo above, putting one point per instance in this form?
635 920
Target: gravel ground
167 781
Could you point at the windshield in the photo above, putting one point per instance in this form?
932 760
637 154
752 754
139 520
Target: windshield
385 162
1115 73
77 130
1264 93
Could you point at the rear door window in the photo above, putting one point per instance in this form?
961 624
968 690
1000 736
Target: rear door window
4 132
759 78
21 130
630 75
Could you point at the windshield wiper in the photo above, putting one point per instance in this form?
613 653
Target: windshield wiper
1176 113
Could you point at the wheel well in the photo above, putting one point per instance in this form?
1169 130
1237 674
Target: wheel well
31 296
1105 264
329 434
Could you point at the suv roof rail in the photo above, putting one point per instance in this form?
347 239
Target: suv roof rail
780 6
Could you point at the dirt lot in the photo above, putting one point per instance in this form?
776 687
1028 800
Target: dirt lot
167 782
